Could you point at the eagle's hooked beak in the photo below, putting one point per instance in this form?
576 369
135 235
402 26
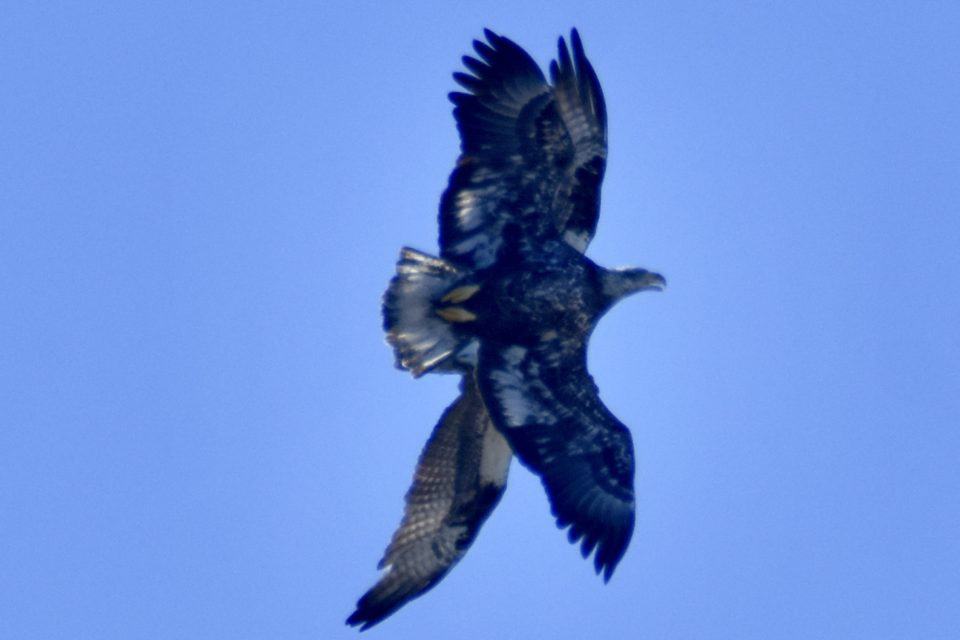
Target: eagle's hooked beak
618 283
653 281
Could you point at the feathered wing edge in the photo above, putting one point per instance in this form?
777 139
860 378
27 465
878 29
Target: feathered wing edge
583 110
492 118
459 479
598 518
549 410
504 79
529 148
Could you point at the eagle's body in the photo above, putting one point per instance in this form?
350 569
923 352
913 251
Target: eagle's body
554 289
510 306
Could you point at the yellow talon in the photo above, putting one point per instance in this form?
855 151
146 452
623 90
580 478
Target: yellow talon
456 314
460 294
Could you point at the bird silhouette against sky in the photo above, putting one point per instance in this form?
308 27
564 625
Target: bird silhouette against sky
509 306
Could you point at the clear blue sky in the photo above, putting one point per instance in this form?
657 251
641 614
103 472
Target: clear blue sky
201 432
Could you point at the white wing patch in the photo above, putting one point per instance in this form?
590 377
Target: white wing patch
577 239
482 246
520 392
496 457
469 214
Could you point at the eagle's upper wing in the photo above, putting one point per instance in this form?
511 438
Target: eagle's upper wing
546 404
459 479
533 154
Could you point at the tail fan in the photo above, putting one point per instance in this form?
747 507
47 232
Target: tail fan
420 324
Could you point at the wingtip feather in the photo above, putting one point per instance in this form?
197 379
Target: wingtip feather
484 50
577 45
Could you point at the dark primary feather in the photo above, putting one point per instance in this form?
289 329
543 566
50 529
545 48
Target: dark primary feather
546 404
533 153
459 479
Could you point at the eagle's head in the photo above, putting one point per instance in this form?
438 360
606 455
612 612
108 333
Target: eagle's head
618 283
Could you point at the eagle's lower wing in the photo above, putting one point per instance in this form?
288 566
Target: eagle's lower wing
533 153
459 479
546 404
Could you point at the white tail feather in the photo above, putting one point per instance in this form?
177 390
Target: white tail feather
421 339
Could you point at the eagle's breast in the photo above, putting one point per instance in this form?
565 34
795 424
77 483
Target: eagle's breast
552 289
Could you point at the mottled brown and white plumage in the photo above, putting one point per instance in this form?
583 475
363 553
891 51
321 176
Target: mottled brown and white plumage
510 305
459 479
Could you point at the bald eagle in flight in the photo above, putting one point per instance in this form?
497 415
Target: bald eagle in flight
509 306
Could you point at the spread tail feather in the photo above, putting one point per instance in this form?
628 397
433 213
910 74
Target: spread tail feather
420 329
